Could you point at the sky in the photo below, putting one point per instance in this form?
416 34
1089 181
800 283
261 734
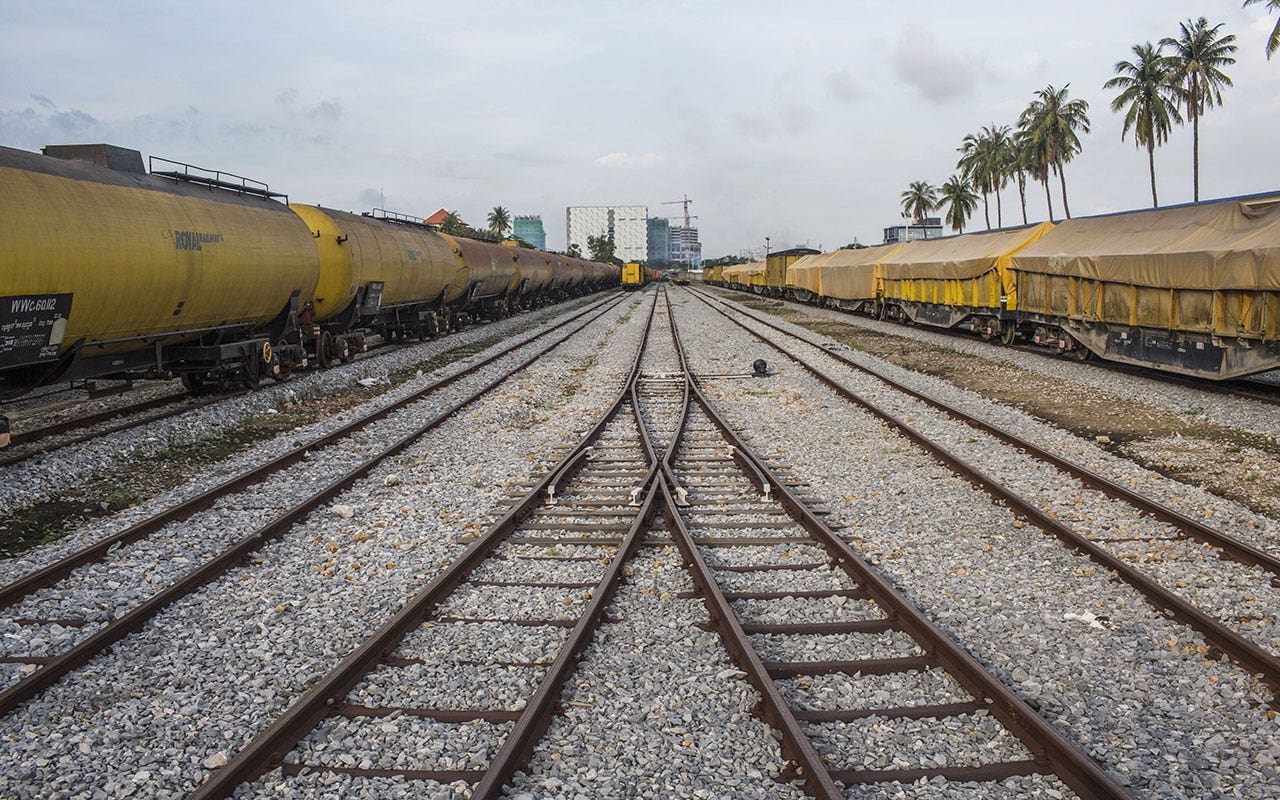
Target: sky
799 121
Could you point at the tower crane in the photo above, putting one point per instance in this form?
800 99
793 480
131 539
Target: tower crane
685 202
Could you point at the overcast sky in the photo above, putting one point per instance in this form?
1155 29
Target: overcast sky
801 121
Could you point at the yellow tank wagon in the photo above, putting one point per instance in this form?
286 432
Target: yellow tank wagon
108 270
533 271
384 274
491 272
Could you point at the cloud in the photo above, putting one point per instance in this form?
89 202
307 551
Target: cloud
796 114
371 198
287 99
938 75
629 160
44 102
326 110
842 87
30 129
752 124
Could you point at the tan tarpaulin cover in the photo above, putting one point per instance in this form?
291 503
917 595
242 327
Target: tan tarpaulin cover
959 257
1232 244
804 272
851 274
741 273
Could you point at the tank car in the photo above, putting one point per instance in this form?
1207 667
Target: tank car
110 270
386 275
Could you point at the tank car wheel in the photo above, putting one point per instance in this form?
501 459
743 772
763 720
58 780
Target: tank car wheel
1008 332
324 350
1082 353
197 383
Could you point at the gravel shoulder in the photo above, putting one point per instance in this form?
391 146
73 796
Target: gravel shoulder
1226 445
49 496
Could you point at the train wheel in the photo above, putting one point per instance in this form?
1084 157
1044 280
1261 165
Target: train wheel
197 383
324 350
1082 353
1008 332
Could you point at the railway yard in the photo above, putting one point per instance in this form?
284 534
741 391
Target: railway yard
586 551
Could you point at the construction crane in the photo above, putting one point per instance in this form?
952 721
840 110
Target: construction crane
685 202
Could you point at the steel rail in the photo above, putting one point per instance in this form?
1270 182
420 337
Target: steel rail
1074 767
123 425
59 570
1236 387
24 437
269 747
57 667
1244 651
1193 528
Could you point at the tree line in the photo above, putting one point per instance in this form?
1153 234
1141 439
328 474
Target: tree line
1173 82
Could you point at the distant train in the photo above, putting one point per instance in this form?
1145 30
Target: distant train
110 271
1192 289
635 275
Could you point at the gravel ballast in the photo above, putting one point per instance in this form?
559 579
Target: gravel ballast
216 667
1108 670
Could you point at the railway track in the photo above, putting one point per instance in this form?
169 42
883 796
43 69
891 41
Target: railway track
64 595
1207 579
573 531
28 444
605 483
1243 388
25 445
762 558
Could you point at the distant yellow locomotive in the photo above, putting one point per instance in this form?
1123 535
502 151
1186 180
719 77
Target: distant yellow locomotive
634 276
108 270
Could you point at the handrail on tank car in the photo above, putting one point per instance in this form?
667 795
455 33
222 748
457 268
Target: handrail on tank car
258 189
395 216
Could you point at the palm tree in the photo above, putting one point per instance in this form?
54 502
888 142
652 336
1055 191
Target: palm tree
998 160
499 220
1200 54
1273 42
1033 161
973 166
1018 168
961 201
918 200
1053 125
1149 96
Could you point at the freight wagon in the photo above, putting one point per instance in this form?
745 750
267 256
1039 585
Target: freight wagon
113 270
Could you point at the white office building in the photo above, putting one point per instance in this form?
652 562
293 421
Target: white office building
685 247
625 225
